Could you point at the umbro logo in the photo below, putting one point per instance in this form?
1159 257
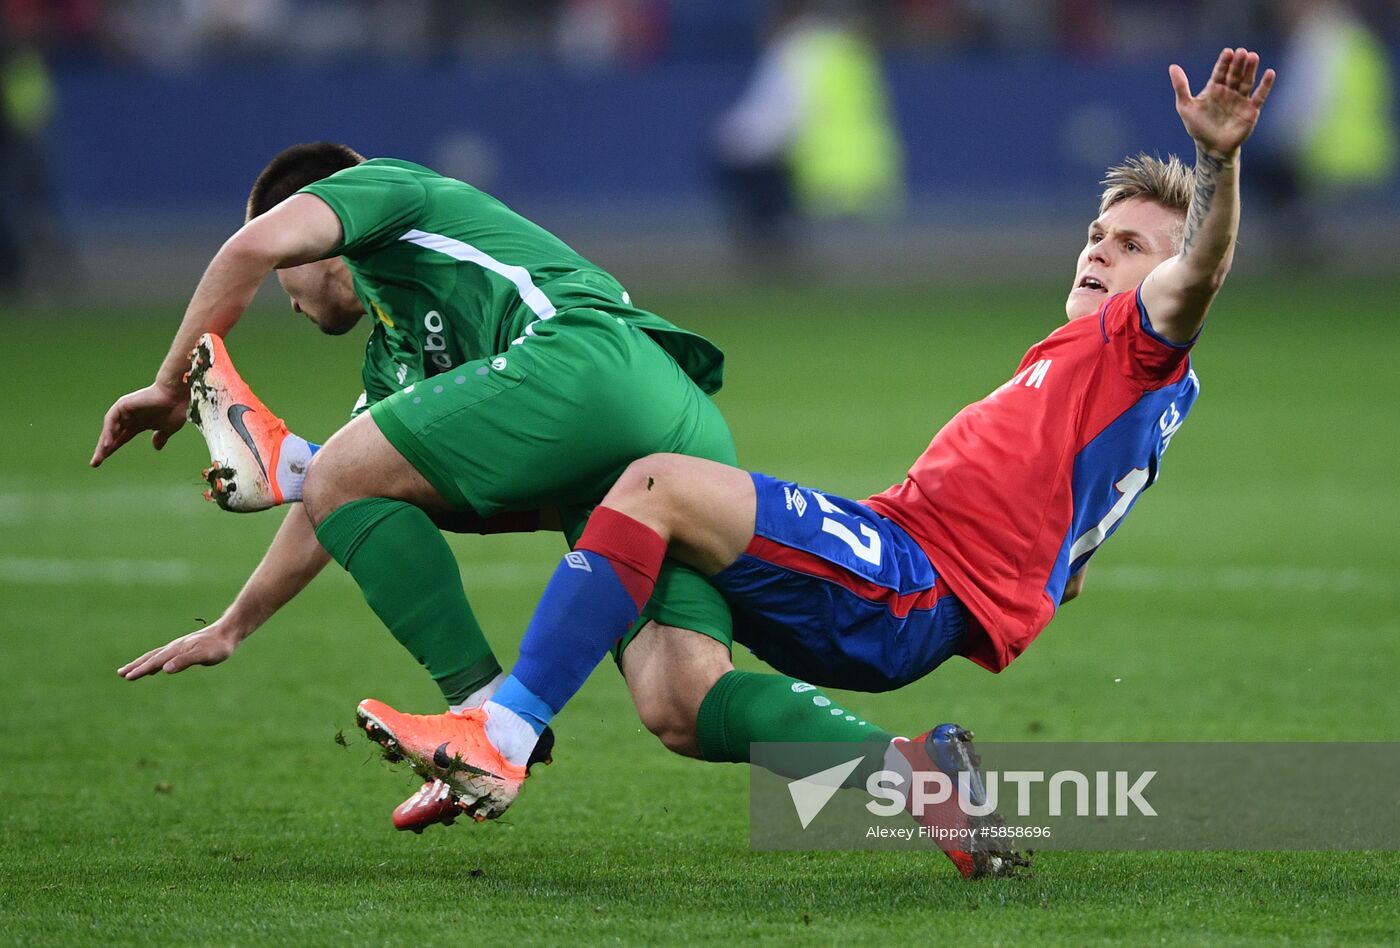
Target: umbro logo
577 560
795 500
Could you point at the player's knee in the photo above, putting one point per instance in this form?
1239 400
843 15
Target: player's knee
645 490
669 671
661 708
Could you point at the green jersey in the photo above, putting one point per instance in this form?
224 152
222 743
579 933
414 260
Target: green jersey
450 275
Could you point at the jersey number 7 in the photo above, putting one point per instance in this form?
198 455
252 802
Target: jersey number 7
868 551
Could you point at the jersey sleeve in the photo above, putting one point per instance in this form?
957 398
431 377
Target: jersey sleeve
1141 353
376 205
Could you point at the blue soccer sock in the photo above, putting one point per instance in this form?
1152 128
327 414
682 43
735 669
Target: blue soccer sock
516 717
595 595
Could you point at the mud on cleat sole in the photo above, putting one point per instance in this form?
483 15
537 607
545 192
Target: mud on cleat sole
243 437
201 361
221 484
384 739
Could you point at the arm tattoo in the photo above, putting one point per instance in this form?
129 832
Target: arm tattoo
1208 167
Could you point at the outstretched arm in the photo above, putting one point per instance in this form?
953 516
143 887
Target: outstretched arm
292 561
300 229
1178 293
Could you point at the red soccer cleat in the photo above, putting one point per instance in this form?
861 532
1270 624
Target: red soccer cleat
433 803
969 841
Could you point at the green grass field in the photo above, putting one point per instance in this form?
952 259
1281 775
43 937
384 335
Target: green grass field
1252 596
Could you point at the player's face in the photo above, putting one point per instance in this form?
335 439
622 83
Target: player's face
323 292
1125 244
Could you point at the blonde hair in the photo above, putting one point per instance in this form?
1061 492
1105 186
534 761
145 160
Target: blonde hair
1167 183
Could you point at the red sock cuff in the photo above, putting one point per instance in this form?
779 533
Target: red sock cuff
634 549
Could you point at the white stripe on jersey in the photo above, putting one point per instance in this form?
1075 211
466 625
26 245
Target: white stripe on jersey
532 295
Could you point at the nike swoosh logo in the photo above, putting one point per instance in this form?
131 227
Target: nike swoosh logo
235 418
454 763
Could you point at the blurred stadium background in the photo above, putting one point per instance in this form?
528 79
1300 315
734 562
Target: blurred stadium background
135 126
1253 598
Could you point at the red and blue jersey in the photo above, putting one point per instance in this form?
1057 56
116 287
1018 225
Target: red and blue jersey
1018 490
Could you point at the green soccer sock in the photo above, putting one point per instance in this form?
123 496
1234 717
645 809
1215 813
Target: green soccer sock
745 708
410 579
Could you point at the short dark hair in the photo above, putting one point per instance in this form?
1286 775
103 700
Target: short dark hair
294 168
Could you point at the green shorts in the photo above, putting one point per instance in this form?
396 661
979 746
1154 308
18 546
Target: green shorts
553 422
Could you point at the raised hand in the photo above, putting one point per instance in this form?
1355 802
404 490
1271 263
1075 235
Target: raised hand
1227 108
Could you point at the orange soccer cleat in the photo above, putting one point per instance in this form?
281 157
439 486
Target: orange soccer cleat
244 438
451 747
434 802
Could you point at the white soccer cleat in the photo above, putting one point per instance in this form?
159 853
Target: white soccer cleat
244 438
